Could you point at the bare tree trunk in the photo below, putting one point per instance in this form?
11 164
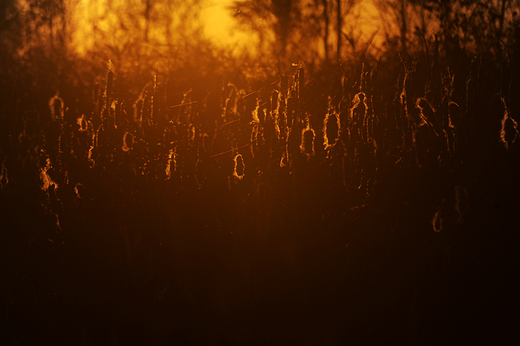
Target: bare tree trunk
340 24
502 14
404 24
501 27
326 21
147 10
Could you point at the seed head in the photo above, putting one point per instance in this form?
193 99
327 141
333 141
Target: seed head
128 141
437 221
307 145
331 129
57 107
359 108
82 123
171 165
509 129
239 169
426 113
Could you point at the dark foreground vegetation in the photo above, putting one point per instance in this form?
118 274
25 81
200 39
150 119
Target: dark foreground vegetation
305 213
370 204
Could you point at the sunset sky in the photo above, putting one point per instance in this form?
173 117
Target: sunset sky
91 16
222 28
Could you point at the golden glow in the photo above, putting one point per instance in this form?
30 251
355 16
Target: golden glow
125 26
120 23
221 28
117 22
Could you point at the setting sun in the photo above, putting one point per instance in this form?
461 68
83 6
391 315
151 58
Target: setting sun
223 29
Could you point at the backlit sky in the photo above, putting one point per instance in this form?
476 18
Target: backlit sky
219 24
221 27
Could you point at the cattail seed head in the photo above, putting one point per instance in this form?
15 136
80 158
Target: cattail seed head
331 129
110 82
282 123
509 128
307 145
82 123
426 114
254 141
45 177
454 114
171 165
437 221
359 108
57 107
274 100
128 141
255 114
138 108
239 169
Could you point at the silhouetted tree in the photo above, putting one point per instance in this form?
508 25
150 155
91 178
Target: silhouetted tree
476 26
278 17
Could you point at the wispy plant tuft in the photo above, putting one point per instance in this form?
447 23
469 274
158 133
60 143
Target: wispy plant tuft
437 221
171 165
509 129
45 177
426 113
461 202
